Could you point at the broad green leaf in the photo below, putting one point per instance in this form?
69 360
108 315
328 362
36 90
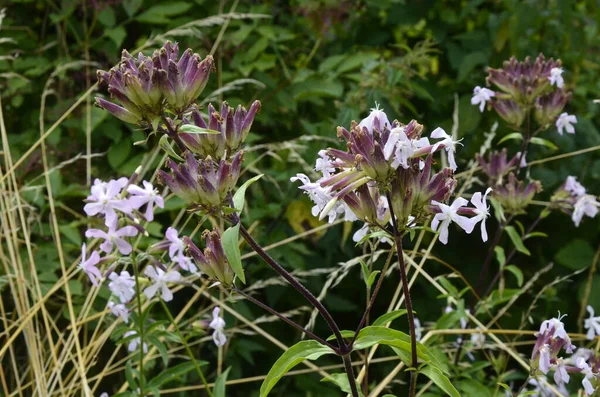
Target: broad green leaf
372 277
194 129
219 389
543 142
517 273
347 334
232 250
387 317
342 381
166 146
162 13
440 380
239 198
516 239
174 372
512 136
305 350
576 255
118 153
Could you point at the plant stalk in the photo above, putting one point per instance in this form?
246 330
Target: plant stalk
350 373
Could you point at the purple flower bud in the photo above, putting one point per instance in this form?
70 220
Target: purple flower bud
212 261
510 111
516 195
118 111
548 107
497 166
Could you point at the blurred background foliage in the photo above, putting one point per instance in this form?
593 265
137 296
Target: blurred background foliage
315 65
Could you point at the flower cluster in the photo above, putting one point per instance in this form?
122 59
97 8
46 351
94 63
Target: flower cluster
527 87
147 87
573 199
387 169
212 262
551 339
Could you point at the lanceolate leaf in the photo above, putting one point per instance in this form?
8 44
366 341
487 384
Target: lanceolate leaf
386 318
219 390
516 239
305 350
232 250
174 372
440 380
193 129
342 381
239 198
511 136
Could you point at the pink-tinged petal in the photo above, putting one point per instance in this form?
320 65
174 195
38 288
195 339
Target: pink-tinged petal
149 214
137 201
107 246
219 338
160 202
172 276
97 233
444 232
171 234
123 246
151 290
150 271
166 294
128 231
135 189
93 209
439 133
436 221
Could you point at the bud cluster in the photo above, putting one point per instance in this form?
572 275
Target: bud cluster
149 87
389 164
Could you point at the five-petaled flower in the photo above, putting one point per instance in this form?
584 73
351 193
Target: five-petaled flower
148 195
160 278
106 199
122 285
135 342
565 122
88 265
113 237
481 96
119 310
448 214
556 77
482 211
448 143
592 324
218 325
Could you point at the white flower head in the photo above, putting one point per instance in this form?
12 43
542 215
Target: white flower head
135 342
574 187
114 237
106 199
400 147
592 324
586 371
481 96
160 278
377 119
218 325
119 310
323 164
482 211
449 145
148 195
556 77
561 376
88 265
565 122
122 285
450 214
585 205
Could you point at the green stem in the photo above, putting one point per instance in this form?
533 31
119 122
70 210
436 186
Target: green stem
187 348
140 320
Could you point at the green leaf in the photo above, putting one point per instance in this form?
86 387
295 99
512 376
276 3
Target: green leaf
166 146
516 239
130 376
387 317
342 381
512 136
219 389
305 350
118 153
239 198
160 14
440 380
576 255
372 277
543 142
517 273
232 250
500 256
369 278
193 129
174 372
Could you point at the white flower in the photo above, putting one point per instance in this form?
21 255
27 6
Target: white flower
106 199
187 263
482 211
556 77
448 143
149 195
160 282
481 96
400 146
561 376
360 233
592 324
119 310
585 205
323 164
449 214
377 119
543 389
176 246
545 358
558 331
122 285
218 324
587 372
574 187
418 329
135 342
325 204
566 121
114 237
478 339
88 265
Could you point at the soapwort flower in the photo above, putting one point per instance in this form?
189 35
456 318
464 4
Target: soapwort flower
218 325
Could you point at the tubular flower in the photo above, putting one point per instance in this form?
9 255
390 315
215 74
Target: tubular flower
510 111
205 183
549 106
233 127
146 86
212 261
497 166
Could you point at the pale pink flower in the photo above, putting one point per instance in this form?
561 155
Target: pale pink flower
122 285
481 96
218 325
88 265
106 199
160 278
149 196
450 214
113 237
